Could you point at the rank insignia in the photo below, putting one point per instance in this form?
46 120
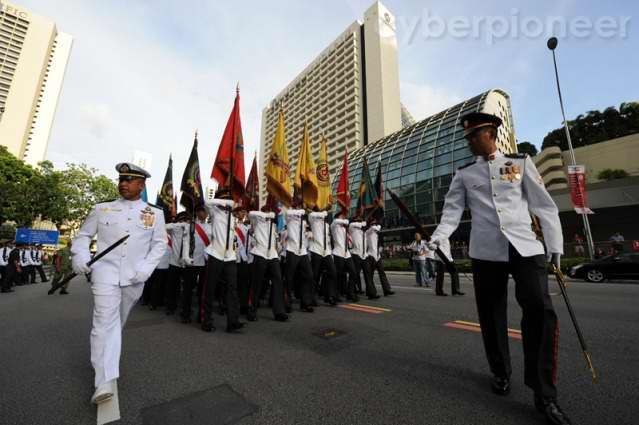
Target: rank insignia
147 218
510 172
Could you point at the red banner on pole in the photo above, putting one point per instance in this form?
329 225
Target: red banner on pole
577 180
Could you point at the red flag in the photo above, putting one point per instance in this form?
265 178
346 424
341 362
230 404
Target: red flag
230 154
252 193
343 192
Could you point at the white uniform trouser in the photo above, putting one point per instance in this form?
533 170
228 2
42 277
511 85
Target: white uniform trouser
111 307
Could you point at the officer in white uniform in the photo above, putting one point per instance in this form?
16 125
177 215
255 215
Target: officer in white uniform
501 192
266 264
321 256
221 262
297 261
117 280
374 258
195 239
342 257
356 231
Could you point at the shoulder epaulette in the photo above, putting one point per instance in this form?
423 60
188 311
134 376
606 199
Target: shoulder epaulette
153 205
466 165
516 155
108 200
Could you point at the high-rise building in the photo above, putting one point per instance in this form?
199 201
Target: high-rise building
349 93
418 162
33 59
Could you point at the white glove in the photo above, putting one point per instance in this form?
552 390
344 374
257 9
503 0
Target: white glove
139 277
433 244
80 267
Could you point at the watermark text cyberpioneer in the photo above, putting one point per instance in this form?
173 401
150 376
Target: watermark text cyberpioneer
429 26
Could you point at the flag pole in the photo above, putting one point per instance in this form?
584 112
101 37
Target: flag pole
230 180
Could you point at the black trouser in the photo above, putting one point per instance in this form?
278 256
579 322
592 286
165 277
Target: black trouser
3 271
378 265
244 279
158 280
363 266
300 266
325 265
173 287
27 273
344 266
9 277
190 275
539 327
40 270
218 273
262 270
439 282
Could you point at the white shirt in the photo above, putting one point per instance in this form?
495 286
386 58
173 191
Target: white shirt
420 250
199 251
264 234
444 246
293 220
340 238
4 255
135 259
320 242
501 194
166 258
244 243
36 257
356 232
220 213
372 241
177 231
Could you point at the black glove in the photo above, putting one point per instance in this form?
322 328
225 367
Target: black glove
555 260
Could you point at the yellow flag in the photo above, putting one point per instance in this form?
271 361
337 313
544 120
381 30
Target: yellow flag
278 181
323 178
305 173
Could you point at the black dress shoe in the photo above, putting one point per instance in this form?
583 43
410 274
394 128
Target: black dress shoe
500 385
332 302
185 319
251 316
281 317
64 292
373 297
459 293
170 312
288 309
208 327
307 309
386 294
442 294
551 410
234 327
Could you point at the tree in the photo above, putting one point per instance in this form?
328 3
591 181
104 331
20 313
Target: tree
16 179
527 147
610 174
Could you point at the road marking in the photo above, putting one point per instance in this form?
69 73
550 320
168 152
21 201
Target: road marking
365 308
109 411
474 327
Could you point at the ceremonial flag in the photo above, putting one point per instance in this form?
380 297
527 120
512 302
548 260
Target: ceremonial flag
165 199
323 178
379 190
366 195
228 169
343 191
251 200
278 181
306 173
191 187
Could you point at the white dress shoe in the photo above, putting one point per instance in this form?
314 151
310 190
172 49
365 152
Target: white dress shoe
103 393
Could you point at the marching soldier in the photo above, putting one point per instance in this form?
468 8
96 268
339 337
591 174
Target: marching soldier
297 262
342 257
501 192
194 260
5 250
25 265
243 237
374 258
265 265
36 255
62 267
221 262
441 268
177 232
10 256
117 280
356 231
321 256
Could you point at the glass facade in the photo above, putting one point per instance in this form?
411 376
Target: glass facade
418 162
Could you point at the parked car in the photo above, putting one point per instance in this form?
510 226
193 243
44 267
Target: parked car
620 266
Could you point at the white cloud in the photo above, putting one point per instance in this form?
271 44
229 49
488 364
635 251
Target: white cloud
423 100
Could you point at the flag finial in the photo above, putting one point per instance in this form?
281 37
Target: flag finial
237 88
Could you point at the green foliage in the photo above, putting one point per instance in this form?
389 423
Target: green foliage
610 174
62 196
527 147
597 126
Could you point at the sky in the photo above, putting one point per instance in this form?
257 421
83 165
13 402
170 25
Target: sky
144 75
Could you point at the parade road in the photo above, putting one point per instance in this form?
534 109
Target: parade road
412 358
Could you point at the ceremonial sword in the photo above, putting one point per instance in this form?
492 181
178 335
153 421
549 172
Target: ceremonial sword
89 264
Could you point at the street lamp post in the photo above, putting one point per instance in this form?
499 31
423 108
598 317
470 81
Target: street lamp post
552 45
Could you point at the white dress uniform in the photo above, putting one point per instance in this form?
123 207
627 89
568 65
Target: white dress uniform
244 245
372 241
339 228
320 243
321 256
176 232
263 226
358 250
117 280
298 266
501 193
220 212
374 258
293 220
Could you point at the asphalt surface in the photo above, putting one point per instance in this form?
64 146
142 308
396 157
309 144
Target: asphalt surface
401 366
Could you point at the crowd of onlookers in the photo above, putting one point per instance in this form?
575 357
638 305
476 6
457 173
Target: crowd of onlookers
459 250
23 264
